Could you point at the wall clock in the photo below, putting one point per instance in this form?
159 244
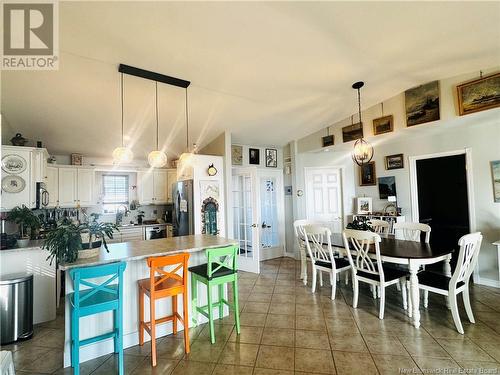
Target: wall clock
212 171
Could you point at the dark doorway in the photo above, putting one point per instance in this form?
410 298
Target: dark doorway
443 200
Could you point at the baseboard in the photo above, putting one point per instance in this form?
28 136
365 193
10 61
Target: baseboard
487 282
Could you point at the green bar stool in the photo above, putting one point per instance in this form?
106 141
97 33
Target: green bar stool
220 269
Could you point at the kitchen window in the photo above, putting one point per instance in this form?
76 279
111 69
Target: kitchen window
115 192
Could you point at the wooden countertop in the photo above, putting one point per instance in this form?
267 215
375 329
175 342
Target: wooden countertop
137 250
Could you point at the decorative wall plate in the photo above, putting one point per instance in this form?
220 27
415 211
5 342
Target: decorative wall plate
13 184
13 164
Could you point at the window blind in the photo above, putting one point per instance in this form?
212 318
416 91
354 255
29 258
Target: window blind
115 189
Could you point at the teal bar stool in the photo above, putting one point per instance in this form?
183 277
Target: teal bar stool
95 299
220 269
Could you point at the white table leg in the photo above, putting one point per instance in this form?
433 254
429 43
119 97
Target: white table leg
447 272
415 294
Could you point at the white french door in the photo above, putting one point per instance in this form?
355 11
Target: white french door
258 216
245 218
324 196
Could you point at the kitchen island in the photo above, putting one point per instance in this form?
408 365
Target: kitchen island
135 254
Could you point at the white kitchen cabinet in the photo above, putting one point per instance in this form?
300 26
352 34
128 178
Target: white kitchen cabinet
67 181
171 178
52 185
145 187
160 186
85 187
155 187
76 187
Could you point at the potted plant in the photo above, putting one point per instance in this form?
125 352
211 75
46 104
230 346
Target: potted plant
94 235
28 223
64 242
361 223
69 241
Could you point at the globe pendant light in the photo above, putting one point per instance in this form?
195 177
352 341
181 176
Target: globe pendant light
157 158
122 155
363 151
186 157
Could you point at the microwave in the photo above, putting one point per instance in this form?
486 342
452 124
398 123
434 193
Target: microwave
42 195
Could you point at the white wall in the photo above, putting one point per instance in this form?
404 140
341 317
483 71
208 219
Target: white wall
479 131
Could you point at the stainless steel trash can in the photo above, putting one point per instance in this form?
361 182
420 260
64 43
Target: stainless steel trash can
16 307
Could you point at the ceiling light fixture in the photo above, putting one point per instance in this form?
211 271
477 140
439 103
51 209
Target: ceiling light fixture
363 151
157 158
122 155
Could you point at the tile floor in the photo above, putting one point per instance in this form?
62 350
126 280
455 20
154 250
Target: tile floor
285 329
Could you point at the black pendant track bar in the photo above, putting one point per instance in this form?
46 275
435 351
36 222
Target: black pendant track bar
157 77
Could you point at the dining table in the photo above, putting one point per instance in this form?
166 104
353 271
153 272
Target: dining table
413 254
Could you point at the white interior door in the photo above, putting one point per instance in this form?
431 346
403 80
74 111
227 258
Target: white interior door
271 213
324 196
246 218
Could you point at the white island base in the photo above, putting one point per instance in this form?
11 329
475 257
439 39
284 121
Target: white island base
137 269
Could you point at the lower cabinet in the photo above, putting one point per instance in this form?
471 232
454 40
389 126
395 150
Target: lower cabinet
128 234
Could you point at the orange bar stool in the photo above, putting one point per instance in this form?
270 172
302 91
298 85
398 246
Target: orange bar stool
160 284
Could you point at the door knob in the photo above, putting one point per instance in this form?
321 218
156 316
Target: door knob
254 225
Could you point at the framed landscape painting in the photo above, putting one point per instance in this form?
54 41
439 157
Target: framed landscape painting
479 95
495 175
364 205
352 132
367 175
383 125
395 161
422 104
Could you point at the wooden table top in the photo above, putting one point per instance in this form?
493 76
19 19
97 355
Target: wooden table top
391 247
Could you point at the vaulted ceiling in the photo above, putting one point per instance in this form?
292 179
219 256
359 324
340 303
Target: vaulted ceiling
267 72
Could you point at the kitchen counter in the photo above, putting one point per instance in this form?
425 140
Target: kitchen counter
135 253
137 250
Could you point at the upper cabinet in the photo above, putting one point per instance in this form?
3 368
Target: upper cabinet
76 186
22 168
52 186
155 187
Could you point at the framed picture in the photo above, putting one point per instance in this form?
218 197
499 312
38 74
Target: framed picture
395 161
422 104
76 159
352 132
367 175
383 125
479 95
386 187
254 156
364 205
328 140
237 155
271 157
495 175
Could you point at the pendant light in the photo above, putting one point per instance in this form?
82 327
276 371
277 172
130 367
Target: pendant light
363 151
157 158
122 155
186 156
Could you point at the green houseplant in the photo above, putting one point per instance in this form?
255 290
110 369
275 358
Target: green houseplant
28 223
69 241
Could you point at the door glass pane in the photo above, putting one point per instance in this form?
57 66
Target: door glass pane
269 213
242 214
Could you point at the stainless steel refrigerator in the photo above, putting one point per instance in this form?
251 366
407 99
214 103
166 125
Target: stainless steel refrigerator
183 216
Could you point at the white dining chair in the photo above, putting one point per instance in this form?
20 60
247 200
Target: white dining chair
470 244
319 247
298 227
371 271
379 226
411 231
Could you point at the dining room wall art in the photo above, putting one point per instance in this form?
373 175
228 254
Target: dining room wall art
352 132
395 161
383 125
495 175
237 155
422 104
386 187
479 95
367 176
364 205
254 156
271 158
